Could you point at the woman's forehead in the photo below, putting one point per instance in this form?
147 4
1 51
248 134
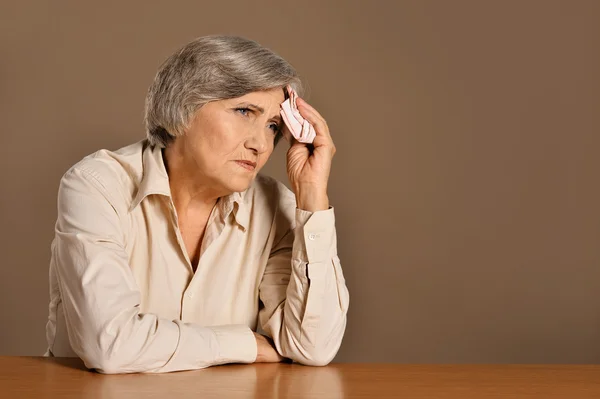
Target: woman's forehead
264 98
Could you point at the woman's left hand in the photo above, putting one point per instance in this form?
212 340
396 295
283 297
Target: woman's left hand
309 172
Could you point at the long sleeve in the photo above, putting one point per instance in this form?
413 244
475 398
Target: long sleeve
101 300
305 305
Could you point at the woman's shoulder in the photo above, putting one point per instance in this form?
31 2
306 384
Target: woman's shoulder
116 173
106 163
268 199
268 187
269 195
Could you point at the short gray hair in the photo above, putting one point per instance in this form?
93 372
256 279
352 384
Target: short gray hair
207 69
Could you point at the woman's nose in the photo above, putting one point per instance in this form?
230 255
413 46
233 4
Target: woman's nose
257 141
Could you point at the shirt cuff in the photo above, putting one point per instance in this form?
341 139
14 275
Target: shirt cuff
314 235
237 344
201 347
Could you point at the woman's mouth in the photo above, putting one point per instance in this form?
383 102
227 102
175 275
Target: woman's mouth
248 165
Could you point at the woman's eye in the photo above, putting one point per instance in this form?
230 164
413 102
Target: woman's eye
243 111
274 127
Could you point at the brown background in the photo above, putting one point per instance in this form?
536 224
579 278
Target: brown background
466 183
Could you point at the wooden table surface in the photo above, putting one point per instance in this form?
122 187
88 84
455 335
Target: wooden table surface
36 377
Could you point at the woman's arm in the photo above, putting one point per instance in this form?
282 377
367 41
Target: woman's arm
101 299
304 306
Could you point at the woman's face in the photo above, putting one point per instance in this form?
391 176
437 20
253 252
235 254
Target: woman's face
229 141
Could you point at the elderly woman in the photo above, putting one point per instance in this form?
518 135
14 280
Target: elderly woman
171 253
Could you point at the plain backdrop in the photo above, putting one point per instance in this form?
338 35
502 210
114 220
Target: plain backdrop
466 183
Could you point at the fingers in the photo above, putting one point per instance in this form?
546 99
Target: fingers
266 351
302 103
319 123
315 119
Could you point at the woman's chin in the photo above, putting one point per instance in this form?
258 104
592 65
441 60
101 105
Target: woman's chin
239 185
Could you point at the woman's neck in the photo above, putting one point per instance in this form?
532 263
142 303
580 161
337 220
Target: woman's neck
188 190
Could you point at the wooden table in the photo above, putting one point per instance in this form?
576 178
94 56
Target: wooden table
35 377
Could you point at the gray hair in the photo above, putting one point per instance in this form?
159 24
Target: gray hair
207 69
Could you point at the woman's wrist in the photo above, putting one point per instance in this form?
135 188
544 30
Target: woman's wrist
312 199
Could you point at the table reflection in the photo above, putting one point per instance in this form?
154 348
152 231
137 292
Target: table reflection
233 381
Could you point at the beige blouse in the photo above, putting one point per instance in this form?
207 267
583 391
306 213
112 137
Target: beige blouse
123 293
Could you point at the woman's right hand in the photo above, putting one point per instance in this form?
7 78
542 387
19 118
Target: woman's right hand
266 352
